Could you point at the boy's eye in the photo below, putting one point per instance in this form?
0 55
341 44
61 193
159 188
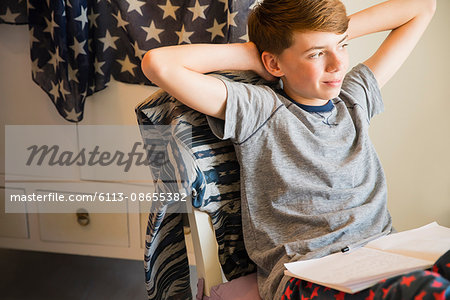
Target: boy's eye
344 45
316 55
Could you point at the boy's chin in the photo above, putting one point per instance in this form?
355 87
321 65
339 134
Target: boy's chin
331 94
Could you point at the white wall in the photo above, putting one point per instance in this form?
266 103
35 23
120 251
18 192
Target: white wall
412 135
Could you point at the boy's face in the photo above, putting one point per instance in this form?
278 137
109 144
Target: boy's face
314 66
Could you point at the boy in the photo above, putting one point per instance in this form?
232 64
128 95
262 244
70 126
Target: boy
311 182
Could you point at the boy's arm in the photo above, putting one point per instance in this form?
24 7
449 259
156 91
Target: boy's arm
179 71
407 19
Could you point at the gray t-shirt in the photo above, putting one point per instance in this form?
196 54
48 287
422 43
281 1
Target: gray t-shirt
311 182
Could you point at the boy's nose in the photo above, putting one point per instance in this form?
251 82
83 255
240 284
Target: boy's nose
334 63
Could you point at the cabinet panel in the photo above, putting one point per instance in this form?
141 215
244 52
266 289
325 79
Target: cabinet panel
81 226
12 225
103 229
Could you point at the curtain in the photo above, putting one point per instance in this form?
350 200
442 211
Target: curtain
77 45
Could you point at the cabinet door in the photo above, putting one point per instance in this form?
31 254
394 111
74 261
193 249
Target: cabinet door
13 225
82 226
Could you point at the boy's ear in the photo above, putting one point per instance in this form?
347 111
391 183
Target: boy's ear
271 63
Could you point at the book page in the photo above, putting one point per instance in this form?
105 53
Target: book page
428 242
363 264
350 288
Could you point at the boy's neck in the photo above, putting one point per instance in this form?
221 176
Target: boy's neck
304 101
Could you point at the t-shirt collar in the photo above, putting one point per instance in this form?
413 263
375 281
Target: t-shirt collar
309 108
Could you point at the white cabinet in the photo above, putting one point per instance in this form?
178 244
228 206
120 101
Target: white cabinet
81 231
12 225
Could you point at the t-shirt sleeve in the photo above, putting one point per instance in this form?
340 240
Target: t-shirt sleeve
361 86
248 107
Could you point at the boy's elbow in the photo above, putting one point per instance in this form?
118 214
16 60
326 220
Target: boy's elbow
433 6
152 65
429 7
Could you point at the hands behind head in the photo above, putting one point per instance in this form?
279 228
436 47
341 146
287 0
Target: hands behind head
257 64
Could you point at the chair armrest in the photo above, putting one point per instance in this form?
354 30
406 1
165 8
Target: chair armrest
205 250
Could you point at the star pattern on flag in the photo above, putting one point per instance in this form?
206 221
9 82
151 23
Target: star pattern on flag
126 65
35 67
231 17
93 19
245 37
72 74
109 41
153 32
198 10
216 29
120 21
183 35
138 52
65 91
54 90
98 66
77 46
135 5
72 114
33 39
50 27
169 10
54 61
9 16
82 17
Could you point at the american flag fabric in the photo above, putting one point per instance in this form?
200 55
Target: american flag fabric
77 45
13 12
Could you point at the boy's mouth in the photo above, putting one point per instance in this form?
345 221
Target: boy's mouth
333 83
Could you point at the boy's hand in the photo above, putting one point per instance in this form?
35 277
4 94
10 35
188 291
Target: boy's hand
407 19
258 64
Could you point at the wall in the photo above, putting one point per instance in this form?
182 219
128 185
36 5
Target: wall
411 136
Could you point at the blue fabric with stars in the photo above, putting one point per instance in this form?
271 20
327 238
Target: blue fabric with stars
78 45
215 185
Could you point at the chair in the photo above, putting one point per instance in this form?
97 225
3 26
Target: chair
213 182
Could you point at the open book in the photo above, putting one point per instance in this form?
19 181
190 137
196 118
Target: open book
385 257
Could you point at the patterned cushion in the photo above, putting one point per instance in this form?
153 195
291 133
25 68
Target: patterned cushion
213 179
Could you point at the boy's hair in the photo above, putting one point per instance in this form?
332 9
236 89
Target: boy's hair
271 23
